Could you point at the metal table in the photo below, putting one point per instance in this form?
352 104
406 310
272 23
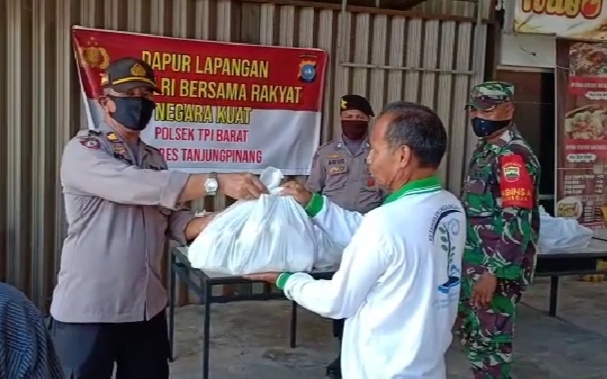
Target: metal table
202 283
566 263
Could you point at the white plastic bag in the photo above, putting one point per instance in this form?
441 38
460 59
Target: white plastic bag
558 234
328 252
272 233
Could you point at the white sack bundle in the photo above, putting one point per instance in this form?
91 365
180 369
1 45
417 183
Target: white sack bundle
272 233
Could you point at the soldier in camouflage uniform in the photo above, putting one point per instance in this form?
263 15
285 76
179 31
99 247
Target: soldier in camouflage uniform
500 196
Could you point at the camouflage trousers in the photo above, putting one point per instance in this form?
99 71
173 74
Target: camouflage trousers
486 334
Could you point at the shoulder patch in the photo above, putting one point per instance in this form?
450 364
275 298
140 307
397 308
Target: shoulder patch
315 158
91 143
516 185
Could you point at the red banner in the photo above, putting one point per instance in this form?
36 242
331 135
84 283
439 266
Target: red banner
223 106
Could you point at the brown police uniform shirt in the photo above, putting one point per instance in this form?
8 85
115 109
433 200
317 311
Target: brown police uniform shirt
343 177
120 207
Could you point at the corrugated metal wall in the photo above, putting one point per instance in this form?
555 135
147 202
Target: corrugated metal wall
41 107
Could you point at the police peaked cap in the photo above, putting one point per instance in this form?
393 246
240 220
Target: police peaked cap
125 74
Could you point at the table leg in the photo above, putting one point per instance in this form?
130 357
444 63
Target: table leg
206 339
172 290
293 334
554 294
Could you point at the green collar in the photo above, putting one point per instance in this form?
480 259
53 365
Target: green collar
429 184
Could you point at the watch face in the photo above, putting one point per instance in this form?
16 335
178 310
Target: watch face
211 186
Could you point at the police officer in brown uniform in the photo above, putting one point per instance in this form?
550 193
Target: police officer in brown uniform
340 172
121 206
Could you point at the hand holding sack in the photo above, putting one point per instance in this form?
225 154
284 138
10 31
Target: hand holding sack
273 233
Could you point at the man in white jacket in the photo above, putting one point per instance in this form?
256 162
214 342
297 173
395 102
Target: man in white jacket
399 280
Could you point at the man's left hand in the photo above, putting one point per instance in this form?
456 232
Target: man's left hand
484 288
269 277
298 191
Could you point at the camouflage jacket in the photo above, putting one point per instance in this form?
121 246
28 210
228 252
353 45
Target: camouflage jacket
501 196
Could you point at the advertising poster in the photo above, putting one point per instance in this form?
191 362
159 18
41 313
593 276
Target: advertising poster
576 19
224 107
582 131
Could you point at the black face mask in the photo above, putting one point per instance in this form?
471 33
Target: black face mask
484 128
133 112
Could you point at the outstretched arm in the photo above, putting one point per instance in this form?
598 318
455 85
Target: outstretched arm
364 260
340 223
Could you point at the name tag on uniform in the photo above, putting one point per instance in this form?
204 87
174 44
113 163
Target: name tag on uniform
338 161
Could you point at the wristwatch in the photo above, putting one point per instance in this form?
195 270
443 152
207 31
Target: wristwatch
211 185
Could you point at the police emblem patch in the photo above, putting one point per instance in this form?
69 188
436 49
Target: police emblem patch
138 70
90 143
307 68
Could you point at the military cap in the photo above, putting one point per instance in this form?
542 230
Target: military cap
489 94
125 74
356 102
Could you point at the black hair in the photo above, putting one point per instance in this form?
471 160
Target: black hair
418 127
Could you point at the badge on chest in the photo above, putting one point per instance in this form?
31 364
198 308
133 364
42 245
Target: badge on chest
334 170
336 164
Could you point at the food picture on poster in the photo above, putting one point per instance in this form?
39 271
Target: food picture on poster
575 19
581 131
221 107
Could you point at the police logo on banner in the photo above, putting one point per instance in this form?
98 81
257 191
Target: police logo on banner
307 68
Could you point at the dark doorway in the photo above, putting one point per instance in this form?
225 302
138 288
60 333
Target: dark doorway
535 118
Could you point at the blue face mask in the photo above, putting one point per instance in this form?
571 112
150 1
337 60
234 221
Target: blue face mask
484 128
133 112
